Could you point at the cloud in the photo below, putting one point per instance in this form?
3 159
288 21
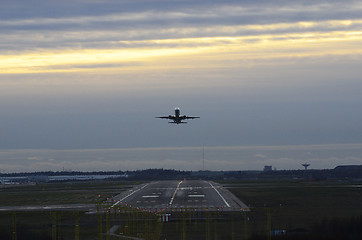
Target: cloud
155 52
259 155
103 28
34 158
93 74
201 12
109 35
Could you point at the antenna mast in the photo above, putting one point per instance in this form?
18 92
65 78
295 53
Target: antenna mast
203 158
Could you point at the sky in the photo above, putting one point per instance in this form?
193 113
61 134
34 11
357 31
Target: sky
81 82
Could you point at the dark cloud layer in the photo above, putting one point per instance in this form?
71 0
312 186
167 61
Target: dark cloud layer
29 25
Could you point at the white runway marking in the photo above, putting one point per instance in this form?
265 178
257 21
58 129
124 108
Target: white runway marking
196 196
174 194
227 204
129 195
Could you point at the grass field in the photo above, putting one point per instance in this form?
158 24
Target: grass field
295 204
61 193
275 205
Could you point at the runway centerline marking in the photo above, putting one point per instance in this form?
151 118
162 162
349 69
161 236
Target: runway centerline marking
227 204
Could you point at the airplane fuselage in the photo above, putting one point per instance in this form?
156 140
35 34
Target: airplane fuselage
177 119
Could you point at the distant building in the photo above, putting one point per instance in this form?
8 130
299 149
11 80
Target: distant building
38 179
348 171
348 168
268 168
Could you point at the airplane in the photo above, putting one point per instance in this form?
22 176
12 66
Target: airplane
177 118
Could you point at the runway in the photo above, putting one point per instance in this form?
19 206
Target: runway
187 194
159 197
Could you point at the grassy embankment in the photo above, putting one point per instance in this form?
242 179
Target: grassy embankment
297 204
60 193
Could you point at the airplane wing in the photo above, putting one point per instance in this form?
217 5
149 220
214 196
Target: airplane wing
167 117
187 117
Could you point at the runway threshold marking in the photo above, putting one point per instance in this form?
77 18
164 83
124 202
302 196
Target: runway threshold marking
129 195
227 204
174 194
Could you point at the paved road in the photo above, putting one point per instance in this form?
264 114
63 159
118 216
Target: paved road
190 194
